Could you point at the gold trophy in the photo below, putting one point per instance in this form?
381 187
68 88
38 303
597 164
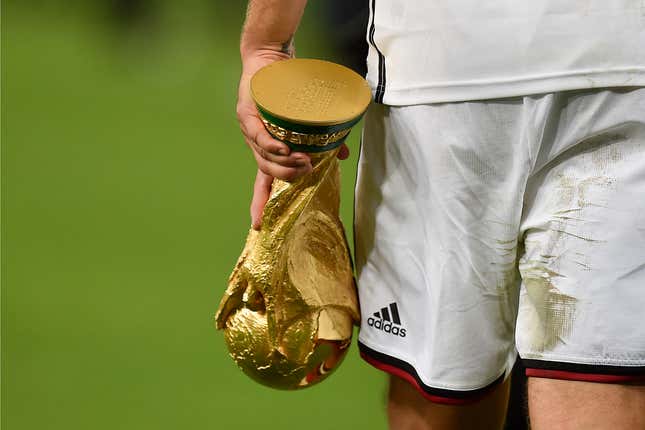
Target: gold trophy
290 306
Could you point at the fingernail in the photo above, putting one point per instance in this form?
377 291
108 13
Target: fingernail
283 151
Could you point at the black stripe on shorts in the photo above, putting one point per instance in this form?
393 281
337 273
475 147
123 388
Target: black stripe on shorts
405 370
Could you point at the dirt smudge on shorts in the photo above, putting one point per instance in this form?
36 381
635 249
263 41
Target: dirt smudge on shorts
565 189
606 151
594 181
573 194
553 312
507 277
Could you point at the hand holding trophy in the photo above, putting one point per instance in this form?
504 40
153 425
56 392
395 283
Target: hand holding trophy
290 305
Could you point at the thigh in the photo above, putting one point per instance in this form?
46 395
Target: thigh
564 405
409 410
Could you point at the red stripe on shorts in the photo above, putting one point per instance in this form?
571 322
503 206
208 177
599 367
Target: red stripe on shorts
586 377
412 380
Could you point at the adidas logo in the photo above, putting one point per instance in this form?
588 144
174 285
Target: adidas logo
387 320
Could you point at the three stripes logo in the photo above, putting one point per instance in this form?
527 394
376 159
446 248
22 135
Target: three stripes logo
387 320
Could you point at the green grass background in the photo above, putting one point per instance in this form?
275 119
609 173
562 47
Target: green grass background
126 187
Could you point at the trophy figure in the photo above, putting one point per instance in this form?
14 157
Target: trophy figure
290 306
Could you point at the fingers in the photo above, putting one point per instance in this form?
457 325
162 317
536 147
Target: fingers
273 157
261 193
286 173
291 160
343 152
254 131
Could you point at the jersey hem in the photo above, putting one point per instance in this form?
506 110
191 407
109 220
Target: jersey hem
478 90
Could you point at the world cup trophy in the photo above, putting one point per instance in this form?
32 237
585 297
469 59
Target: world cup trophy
290 306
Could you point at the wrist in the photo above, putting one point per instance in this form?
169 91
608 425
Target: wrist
252 47
252 59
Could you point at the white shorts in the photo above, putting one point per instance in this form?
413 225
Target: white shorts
491 227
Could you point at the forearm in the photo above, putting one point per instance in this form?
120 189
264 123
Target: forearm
267 36
270 26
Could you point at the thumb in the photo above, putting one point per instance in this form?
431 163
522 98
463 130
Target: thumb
261 193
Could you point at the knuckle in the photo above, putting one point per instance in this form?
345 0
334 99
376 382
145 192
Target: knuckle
263 166
267 140
260 138
290 175
262 152
265 169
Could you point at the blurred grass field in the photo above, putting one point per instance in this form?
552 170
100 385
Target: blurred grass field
125 204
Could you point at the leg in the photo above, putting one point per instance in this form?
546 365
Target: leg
409 410
579 330
563 405
517 411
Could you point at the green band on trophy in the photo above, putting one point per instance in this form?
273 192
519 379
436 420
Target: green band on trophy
307 142
307 129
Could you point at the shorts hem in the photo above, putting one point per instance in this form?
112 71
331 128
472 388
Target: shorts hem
407 372
584 372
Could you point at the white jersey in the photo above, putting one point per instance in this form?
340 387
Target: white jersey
431 51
